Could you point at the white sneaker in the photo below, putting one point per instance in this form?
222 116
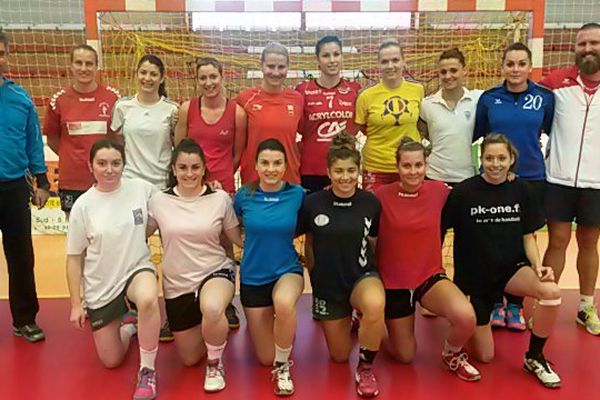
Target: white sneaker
541 369
284 386
214 380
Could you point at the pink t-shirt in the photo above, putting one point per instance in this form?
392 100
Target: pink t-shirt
190 231
409 245
216 140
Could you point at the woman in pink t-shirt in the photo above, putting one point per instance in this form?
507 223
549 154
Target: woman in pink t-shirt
409 259
217 123
198 277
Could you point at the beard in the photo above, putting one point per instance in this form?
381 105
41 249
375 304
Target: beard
588 65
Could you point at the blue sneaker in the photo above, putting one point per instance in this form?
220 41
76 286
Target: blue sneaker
514 318
498 317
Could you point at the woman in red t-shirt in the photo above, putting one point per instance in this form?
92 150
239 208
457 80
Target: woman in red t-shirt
216 123
409 259
274 112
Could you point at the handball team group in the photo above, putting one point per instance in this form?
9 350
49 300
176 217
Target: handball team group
133 166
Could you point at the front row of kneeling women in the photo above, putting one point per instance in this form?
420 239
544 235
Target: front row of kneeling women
494 219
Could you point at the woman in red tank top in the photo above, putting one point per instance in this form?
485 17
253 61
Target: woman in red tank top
216 123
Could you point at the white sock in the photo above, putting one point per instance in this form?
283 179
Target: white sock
585 301
448 348
127 331
282 355
148 357
215 352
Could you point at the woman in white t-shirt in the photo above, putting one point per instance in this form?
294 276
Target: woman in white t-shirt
147 121
198 277
108 254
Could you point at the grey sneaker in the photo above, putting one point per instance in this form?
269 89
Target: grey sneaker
30 332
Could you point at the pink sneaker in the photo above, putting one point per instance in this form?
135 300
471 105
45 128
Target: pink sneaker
366 382
146 385
458 363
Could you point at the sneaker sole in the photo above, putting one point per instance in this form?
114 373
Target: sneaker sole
166 339
514 328
284 393
549 385
214 390
234 326
582 323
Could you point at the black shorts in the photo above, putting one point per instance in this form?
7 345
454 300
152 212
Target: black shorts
538 191
336 306
314 183
68 197
483 302
252 296
400 303
183 312
116 308
568 204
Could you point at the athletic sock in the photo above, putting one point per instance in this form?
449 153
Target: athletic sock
215 352
585 301
127 331
367 356
449 349
148 358
282 355
536 346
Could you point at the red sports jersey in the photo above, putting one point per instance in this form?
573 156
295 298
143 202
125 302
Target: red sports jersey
216 141
326 112
271 115
409 248
79 119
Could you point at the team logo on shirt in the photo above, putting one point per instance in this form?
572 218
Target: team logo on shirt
290 110
104 109
362 258
321 220
138 216
344 90
257 107
467 114
344 103
497 101
224 132
327 130
395 106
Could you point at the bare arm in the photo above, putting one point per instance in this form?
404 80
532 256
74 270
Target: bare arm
74 266
373 243
181 126
533 255
309 254
423 130
151 226
235 236
241 125
53 142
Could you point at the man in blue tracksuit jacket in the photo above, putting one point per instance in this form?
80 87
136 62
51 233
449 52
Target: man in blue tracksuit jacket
21 159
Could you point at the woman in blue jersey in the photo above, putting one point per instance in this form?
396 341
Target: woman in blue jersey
521 110
271 274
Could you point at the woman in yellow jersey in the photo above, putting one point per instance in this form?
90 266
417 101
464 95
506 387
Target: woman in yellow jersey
385 113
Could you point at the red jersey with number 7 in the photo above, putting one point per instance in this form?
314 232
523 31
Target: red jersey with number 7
326 112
